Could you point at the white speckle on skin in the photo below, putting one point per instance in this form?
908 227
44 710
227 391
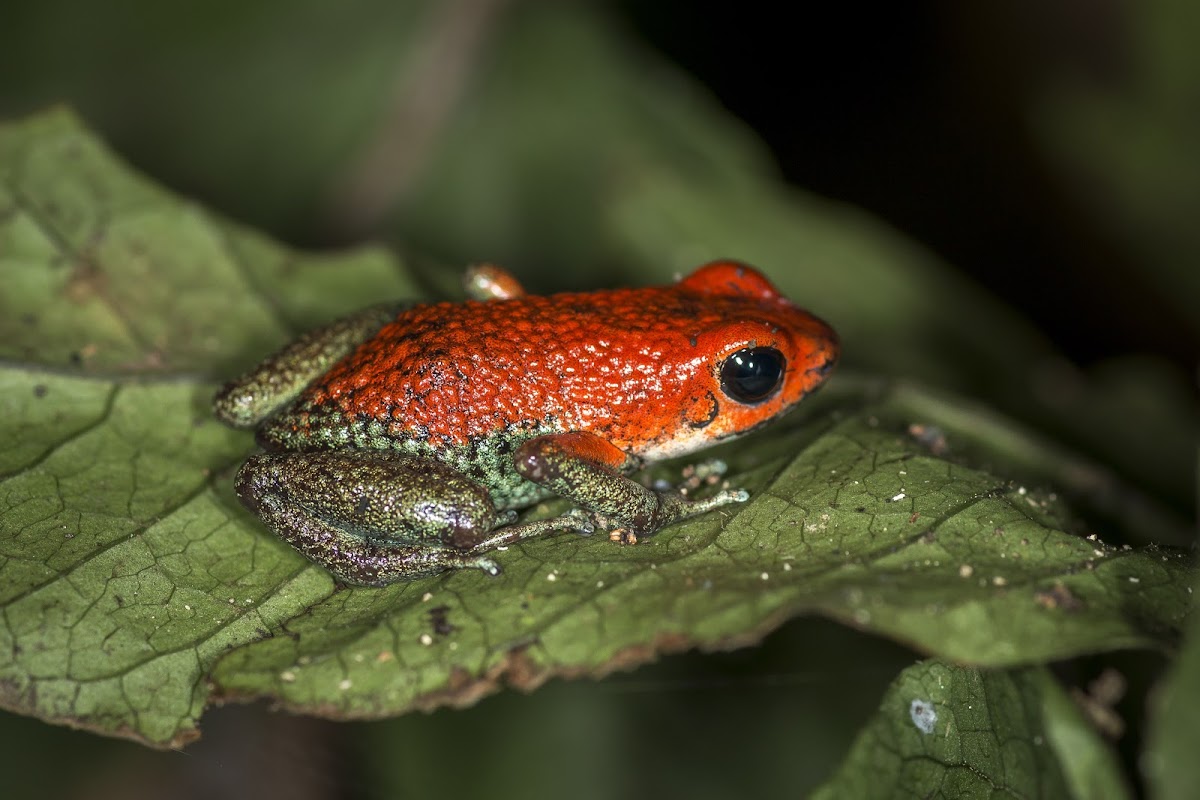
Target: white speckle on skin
552 576
765 576
345 684
426 639
287 676
923 715
425 598
897 498
966 571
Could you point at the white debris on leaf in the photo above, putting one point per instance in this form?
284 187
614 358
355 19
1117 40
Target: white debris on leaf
923 715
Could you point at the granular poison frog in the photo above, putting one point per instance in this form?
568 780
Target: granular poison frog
401 440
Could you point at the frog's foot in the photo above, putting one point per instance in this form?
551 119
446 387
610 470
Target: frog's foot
673 506
588 470
576 520
722 498
663 507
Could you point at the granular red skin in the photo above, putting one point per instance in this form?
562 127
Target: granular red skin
637 367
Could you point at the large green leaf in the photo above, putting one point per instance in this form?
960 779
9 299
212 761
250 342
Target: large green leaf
105 272
858 524
134 586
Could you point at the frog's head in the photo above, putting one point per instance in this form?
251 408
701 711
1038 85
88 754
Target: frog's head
762 355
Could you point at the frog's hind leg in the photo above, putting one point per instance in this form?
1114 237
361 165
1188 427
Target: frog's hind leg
370 517
375 518
353 560
251 398
576 520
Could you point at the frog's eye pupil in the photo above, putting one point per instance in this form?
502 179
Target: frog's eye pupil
752 374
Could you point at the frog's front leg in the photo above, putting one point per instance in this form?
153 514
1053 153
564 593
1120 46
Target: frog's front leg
588 470
251 398
375 518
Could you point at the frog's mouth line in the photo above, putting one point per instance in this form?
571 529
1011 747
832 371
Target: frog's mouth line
725 437
769 421
714 411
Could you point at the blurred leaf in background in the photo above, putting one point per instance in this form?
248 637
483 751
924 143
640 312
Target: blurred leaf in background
1123 140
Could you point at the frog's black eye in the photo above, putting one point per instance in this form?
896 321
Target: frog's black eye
752 374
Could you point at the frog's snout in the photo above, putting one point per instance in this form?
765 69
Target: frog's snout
823 369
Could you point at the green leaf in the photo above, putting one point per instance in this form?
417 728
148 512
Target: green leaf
949 731
107 272
121 573
857 524
134 587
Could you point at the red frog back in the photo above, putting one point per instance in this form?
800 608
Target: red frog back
658 371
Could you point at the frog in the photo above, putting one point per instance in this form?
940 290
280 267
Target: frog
403 440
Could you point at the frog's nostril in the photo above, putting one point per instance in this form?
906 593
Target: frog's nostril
824 367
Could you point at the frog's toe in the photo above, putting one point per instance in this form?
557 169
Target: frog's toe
722 498
709 468
582 521
489 566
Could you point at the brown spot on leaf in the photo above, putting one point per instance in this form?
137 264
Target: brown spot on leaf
86 282
1058 596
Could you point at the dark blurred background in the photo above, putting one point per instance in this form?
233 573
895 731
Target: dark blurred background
1046 150
926 114
1041 148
